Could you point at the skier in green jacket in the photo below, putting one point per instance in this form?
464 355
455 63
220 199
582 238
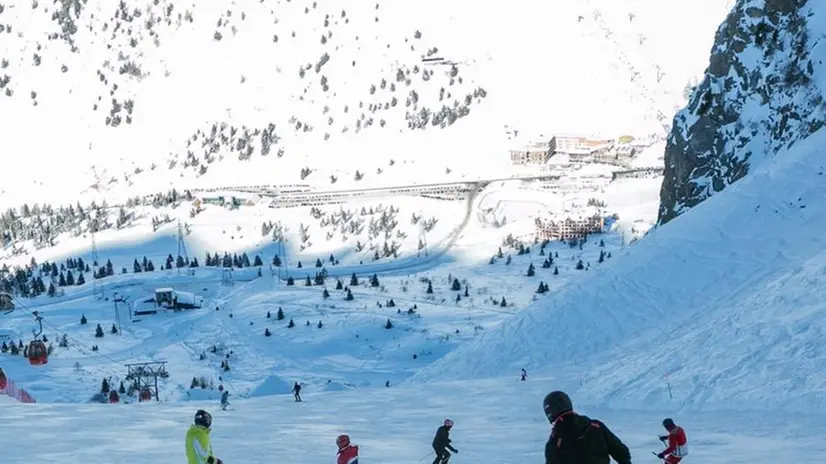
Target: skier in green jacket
198 446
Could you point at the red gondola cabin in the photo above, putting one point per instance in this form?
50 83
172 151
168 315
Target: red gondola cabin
38 354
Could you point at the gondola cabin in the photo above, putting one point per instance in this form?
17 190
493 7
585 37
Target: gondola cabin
3 380
38 353
6 303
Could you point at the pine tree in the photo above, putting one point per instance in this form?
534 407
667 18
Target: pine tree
280 314
458 297
318 262
466 291
52 291
354 280
276 261
150 266
499 253
268 315
601 243
80 279
579 265
290 281
374 281
110 270
531 272
299 265
456 285
429 287
104 387
319 324
267 332
61 281
83 319
325 294
70 278
339 285
556 271
349 296
99 332
308 282
14 350
601 256
291 324
389 324
332 259
503 303
114 329
4 348
258 261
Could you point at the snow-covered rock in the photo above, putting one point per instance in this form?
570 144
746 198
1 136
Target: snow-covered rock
762 92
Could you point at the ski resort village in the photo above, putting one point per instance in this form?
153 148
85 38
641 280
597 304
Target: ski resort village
298 231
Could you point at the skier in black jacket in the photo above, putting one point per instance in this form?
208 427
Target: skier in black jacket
578 439
441 443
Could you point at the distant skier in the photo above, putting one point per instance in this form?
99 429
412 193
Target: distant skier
577 439
347 452
224 400
441 443
198 445
677 443
297 392
524 375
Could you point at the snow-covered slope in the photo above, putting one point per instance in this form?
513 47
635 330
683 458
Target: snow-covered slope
151 95
496 421
762 92
725 301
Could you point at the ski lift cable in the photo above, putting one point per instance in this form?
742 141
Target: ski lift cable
70 340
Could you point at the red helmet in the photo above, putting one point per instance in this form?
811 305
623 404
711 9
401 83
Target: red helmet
448 423
343 441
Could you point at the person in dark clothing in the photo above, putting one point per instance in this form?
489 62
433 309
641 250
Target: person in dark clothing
441 443
578 439
297 392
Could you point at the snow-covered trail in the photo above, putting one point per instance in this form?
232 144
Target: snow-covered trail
497 421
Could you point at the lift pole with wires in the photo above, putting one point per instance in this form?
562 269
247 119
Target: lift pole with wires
181 246
97 290
118 299
144 376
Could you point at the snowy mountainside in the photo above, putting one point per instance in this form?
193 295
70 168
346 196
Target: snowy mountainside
762 92
724 301
140 96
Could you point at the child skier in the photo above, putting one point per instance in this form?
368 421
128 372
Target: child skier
677 443
441 443
224 400
198 445
347 452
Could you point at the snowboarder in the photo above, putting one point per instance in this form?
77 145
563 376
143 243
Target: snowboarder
347 452
297 392
578 439
198 445
441 443
224 400
677 444
524 375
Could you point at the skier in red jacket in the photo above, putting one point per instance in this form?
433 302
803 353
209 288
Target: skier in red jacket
347 452
677 443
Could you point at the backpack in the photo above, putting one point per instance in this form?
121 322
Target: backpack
581 442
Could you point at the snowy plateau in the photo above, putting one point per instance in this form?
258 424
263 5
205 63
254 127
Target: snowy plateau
235 196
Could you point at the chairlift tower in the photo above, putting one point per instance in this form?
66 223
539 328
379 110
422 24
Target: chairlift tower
97 290
226 278
144 376
181 246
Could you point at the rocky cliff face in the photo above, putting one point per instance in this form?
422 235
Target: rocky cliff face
762 92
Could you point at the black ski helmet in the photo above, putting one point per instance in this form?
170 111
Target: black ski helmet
668 423
556 403
203 418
